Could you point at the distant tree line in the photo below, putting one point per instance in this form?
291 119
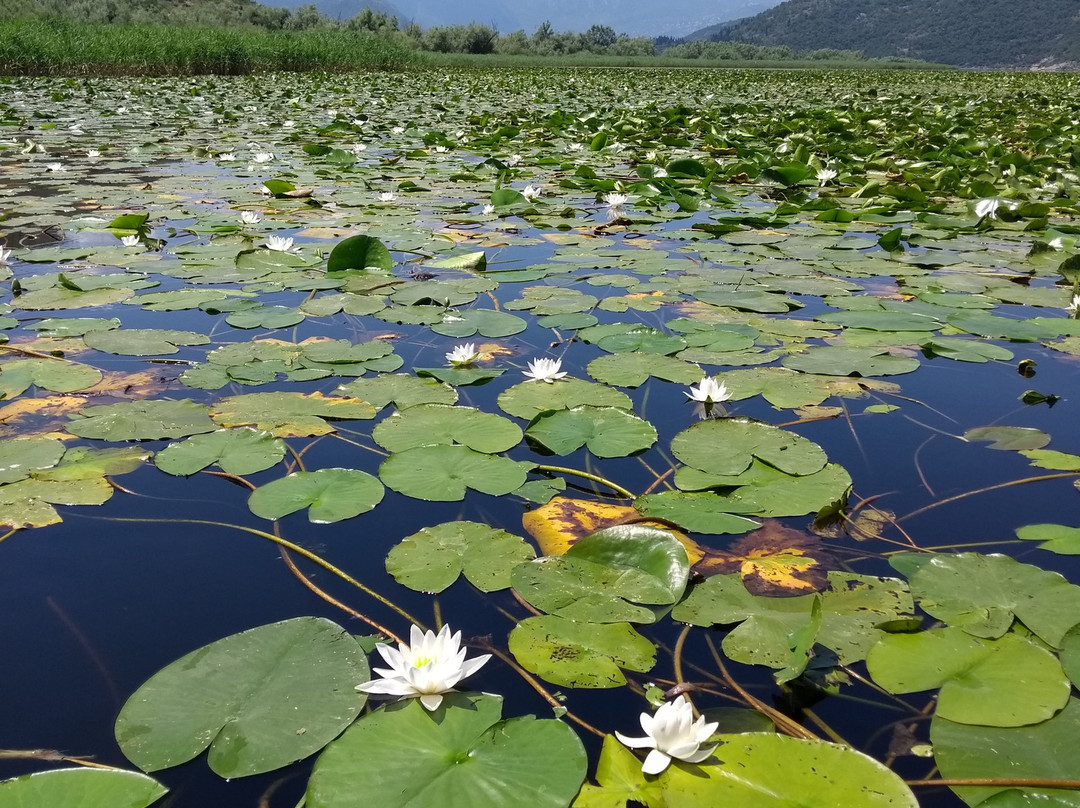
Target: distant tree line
473 38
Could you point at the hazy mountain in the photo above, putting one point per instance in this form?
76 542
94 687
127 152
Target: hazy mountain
978 33
634 17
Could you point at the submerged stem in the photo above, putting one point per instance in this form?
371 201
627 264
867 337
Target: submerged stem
596 478
987 489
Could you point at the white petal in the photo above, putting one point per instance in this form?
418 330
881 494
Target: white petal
471 666
431 701
700 755
655 762
635 743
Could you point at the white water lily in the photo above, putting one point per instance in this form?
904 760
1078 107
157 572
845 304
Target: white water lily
130 241
250 217
279 244
530 191
513 160
55 167
487 210
387 196
544 370
616 200
227 157
1072 308
709 391
462 355
987 208
358 148
93 154
1055 243
824 175
263 157
430 665
670 733
5 257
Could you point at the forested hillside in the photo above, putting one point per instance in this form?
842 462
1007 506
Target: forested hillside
979 33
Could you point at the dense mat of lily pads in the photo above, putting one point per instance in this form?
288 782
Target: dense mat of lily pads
630 303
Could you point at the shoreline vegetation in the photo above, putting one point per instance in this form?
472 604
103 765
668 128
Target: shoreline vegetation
48 44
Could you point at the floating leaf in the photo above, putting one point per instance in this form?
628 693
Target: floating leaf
699 513
20 457
238 451
288 414
529 399
142 420
359 252
572 654
1047 750
81 788
84 463
634 369
606 431
430 424
845 361
729 447
977 677
983 593
967 350
1055 538
461 376
56 375
401 389
765 491
621 780
432 559
442 473
260 700
1009 438
330 494
852 607
142 341
459 756
485 322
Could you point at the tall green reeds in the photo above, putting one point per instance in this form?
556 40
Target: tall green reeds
60 47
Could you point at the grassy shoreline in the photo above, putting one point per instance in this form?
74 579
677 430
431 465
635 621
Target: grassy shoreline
43 47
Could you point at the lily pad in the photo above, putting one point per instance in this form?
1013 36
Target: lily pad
237 451
81 788
573 654
443 473
432 559
606 431
260 700
844 361
729 447
20 457
1055 538
460 756
57 375
289 414
142 420
330 494
401 389
487 323
142 341
529 399
1009 438
359 252
430 424
977 677
634 369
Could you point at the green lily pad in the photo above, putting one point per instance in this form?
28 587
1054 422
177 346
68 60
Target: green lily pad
21 456
57 375
142 420
442 473
844 361
28 503
359 252
767 770
1009 438
142 341
984 324
967 350
331 495
84 463
606 431
487 323
81 788
851 609
881 320
529 399
729 446
1047 750
642 340
459 756
430 424
765 491
1055 538
573 654
634 369
288 414
700 513
982 594
431 560
260 700
977 677
460 377
238 451
72 326
402 389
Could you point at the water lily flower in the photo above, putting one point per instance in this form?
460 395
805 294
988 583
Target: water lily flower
576 147
263 157
430 665
670 733
130 241
1055 243
1072 308
55 167
462 355
5 257
616 200
513 160
398 130
530 191
250 217
987 208
279 244
93 154
227 157
824 175
544 370
387 196
358 148
709 391
487 210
